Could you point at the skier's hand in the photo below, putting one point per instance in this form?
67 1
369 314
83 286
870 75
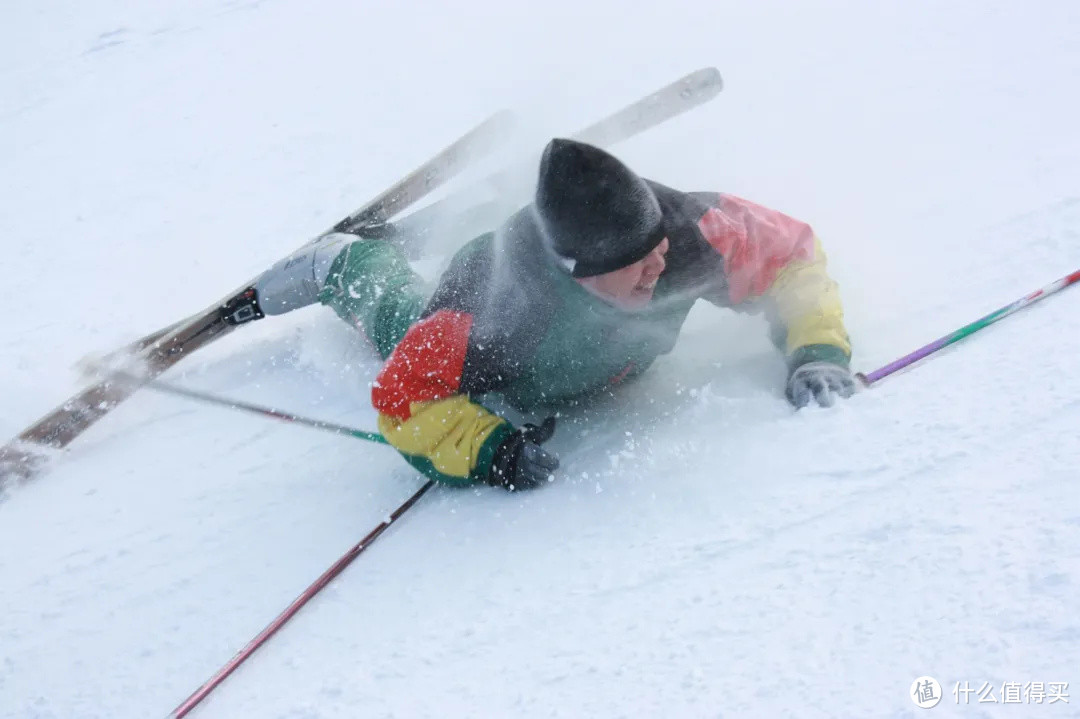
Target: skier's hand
820 381
520 462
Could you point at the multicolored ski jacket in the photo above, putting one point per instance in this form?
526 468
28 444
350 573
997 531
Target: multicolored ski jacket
505 318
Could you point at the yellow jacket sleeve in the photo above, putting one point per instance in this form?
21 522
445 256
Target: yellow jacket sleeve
450 440
806 301
769 255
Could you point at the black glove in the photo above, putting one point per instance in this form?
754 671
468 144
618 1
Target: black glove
822 381
520 462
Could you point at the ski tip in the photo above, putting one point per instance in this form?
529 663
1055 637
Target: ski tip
706 82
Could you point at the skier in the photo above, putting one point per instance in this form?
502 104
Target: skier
576 293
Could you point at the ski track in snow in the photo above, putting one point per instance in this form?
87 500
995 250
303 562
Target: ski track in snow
706 551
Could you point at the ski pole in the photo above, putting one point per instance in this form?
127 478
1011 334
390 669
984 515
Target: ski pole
335 569
206 397
967 330
326 577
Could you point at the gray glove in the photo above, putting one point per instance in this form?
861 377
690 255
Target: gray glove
520 462
821 381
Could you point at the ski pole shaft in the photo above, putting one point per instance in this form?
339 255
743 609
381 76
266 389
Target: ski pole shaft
207 398
967 330
335 569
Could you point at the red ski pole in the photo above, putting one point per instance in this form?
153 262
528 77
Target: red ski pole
335 569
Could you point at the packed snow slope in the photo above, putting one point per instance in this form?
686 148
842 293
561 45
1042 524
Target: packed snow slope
706 551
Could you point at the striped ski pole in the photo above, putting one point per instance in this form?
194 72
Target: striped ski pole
204 690
335 569
207 398
870 378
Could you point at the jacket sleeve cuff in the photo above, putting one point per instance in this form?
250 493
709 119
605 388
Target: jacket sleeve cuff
486 455
818 353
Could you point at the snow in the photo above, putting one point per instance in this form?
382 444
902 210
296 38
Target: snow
706 551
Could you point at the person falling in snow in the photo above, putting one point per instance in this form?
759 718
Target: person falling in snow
576 293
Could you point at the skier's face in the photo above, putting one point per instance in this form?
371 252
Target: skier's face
630 287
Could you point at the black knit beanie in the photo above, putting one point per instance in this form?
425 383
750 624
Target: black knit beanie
596 213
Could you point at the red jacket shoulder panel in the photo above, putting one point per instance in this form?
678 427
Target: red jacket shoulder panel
755 242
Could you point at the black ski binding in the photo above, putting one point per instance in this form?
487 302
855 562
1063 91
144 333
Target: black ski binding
242 308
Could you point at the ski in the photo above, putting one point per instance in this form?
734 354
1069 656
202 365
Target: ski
24 456
669 101
473 210
673 99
